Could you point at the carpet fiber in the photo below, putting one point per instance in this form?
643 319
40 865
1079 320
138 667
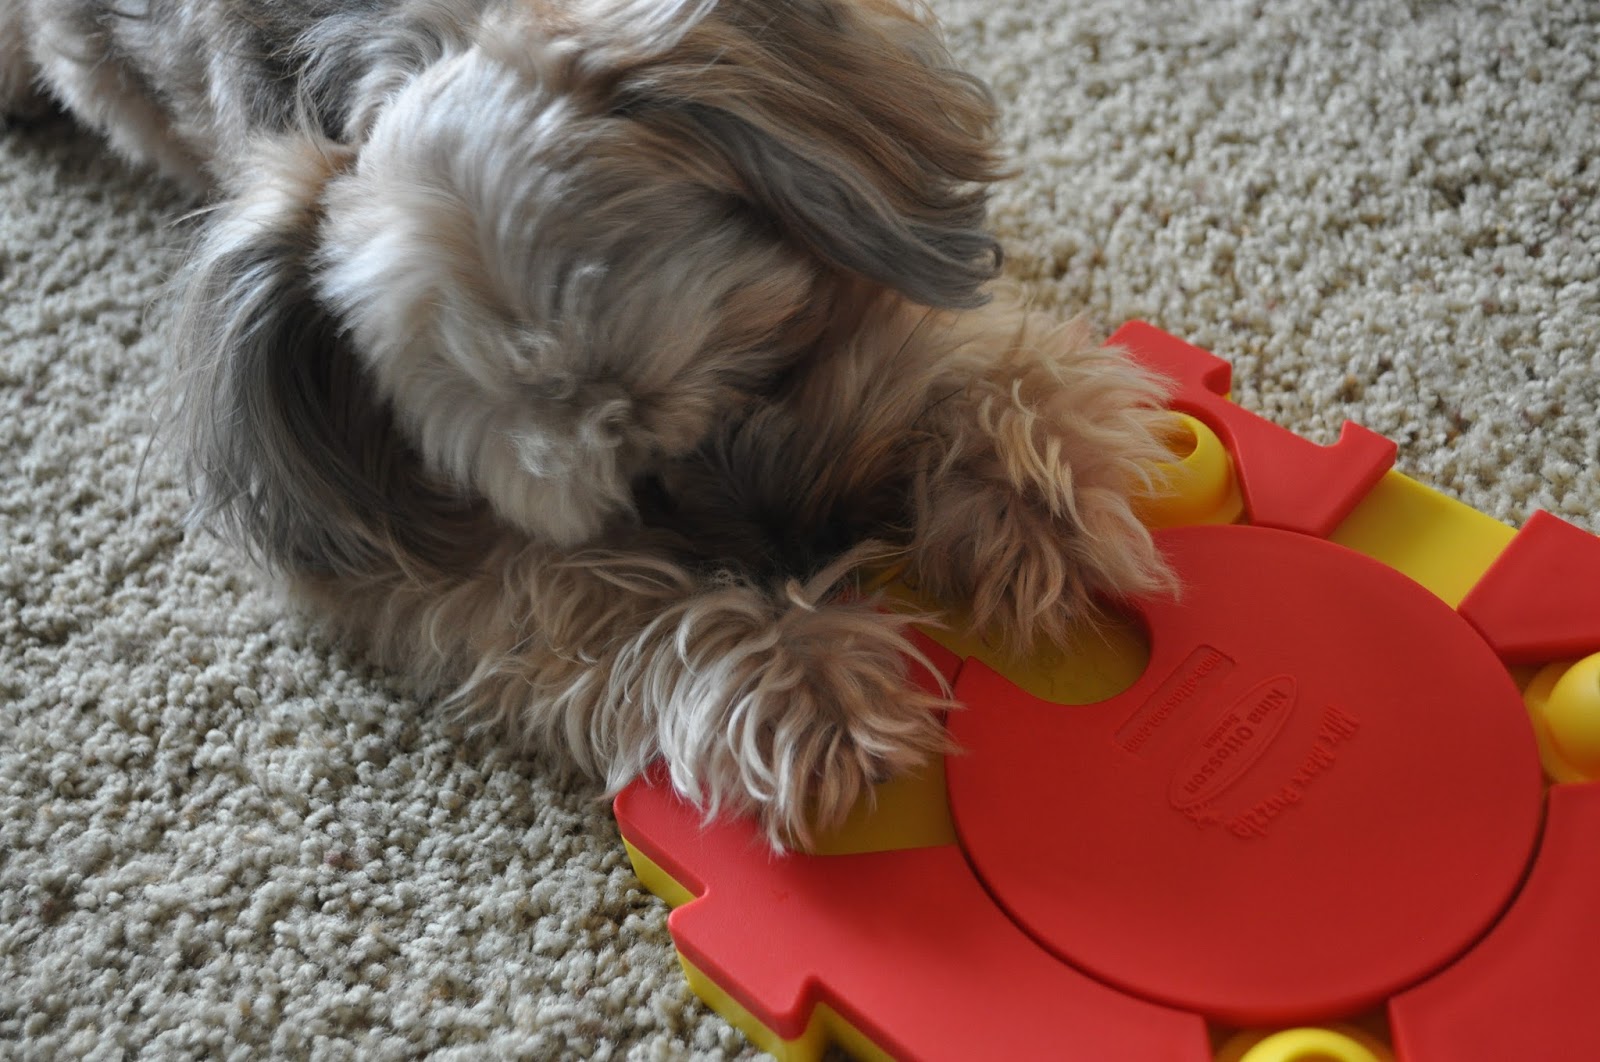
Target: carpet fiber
222 836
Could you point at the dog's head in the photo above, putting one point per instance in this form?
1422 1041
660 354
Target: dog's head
560 245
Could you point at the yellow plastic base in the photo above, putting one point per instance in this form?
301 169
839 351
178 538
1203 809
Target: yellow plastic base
1441 543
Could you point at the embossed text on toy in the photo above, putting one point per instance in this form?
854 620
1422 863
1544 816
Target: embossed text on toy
1200 671
1336 728
1234 743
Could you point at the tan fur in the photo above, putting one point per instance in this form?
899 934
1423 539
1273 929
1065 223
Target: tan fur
1020 441
580 357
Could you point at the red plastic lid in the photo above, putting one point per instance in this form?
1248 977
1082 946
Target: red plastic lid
1322 789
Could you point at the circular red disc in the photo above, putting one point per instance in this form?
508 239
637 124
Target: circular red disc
1322 789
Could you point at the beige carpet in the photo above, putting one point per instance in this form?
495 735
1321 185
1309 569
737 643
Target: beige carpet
220 836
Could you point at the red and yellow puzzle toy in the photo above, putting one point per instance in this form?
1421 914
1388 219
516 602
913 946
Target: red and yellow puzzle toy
1343 788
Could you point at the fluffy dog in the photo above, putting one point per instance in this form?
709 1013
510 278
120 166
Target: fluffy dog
579 356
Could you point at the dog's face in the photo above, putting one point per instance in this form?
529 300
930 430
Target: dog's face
552 292
571 243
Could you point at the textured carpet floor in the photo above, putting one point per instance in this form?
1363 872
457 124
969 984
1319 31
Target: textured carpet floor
222 836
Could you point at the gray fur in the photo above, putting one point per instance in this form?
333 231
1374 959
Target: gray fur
292 451
938 263
580 356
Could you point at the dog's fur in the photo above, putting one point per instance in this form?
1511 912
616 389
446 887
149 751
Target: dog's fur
577 356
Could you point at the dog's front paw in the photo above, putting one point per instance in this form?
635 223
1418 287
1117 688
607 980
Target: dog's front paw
1029 520
789 708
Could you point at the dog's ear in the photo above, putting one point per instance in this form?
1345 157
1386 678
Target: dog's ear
847 123
286 444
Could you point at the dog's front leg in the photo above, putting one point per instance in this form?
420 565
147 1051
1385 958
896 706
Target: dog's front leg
1021 446
784 698
1028 516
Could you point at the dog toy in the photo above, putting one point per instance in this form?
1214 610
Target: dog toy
1297 812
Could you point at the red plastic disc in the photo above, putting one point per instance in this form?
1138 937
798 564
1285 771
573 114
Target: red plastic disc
1322 789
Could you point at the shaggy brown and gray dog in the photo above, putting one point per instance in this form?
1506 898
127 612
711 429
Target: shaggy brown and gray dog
578 356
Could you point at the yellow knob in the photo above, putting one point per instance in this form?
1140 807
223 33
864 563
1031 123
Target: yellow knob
1306 1045
1571 713
1198 486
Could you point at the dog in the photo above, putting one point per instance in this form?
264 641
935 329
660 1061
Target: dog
587 359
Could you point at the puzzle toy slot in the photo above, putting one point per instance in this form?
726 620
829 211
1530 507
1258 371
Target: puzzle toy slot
1303 812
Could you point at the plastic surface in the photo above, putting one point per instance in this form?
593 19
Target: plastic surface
1287 482
1342 1044
1572 716
1309 786
869 936
1564 706
1541 599
1202 488
1528 991
1262 829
